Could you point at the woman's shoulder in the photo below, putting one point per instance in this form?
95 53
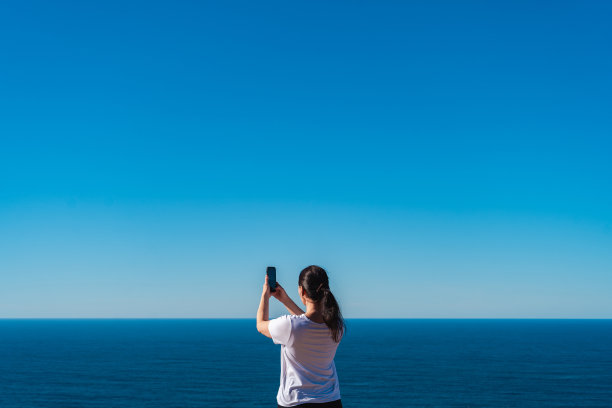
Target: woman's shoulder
297 320
292 319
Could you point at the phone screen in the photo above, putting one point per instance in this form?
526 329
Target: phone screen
271 271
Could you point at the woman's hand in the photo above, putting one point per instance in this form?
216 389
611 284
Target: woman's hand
266 289
279 293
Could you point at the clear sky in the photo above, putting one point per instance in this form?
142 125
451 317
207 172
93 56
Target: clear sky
439 159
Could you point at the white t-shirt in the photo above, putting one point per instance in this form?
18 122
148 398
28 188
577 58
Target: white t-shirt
308 372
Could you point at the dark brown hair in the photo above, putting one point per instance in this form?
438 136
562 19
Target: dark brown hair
313 279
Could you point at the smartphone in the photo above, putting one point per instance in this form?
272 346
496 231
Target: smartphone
271 272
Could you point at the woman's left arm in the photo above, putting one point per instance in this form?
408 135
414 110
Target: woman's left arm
263 313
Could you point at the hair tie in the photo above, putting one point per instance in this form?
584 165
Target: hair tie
322 288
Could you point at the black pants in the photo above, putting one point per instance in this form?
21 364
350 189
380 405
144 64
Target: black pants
331 404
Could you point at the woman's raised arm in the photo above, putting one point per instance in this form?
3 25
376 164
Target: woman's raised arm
284 298
263 312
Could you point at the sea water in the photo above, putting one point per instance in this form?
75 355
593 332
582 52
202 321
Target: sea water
381 363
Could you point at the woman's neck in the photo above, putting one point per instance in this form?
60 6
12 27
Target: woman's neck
313 314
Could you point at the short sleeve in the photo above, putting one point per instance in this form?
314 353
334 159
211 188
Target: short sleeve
280 329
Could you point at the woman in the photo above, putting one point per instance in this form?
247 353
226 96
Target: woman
308 341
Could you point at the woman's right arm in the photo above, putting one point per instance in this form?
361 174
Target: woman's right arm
284 298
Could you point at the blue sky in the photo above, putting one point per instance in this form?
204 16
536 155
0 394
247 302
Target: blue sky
439 159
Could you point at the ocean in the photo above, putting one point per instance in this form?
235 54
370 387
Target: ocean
381 363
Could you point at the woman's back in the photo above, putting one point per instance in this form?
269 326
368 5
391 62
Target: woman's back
308 372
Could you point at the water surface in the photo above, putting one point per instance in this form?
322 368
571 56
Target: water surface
392 363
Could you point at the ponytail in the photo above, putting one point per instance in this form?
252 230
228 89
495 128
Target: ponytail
315 282
332 315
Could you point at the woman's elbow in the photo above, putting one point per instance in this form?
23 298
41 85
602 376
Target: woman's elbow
262 327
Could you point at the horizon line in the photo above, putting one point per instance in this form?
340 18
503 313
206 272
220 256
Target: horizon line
346 318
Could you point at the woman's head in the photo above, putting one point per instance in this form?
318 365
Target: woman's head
314 284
